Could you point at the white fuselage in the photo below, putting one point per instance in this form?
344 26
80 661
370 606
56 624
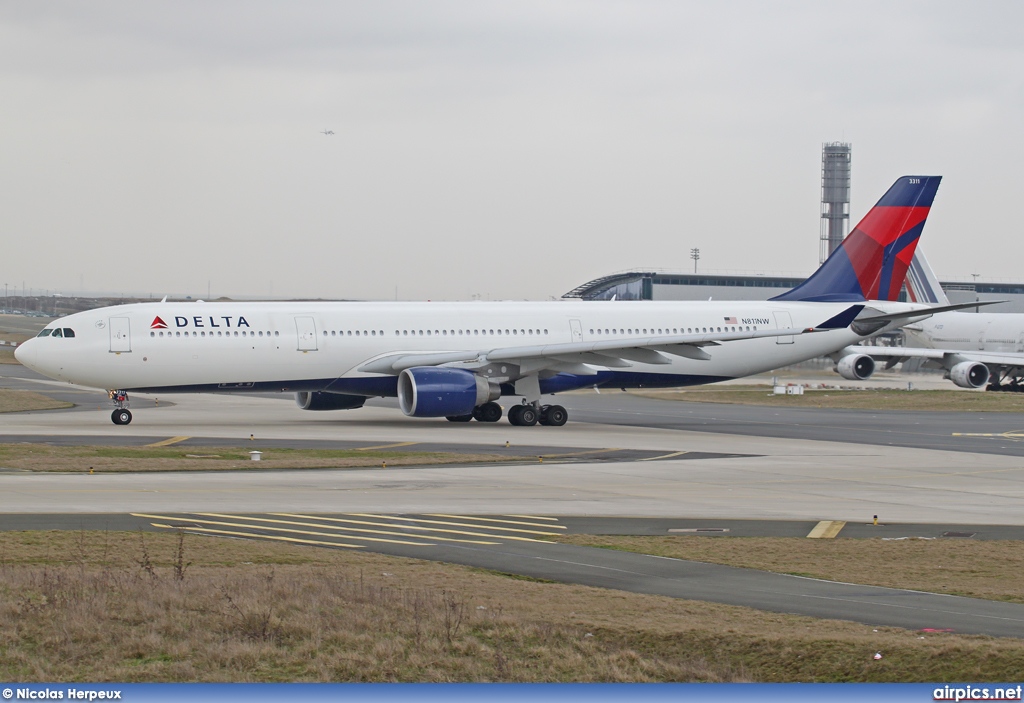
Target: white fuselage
989 332
291 346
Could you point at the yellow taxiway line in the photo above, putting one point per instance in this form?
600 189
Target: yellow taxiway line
589 451
279 529
419 527
167 442
296 540
664 456
827 529
458 524
386 446
504 522
347 529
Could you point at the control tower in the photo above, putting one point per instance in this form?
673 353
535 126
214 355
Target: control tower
835 196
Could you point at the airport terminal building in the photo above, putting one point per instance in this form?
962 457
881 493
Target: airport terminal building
655 284
661 285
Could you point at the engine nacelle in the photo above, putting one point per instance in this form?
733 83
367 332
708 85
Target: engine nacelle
428 391
318 400
969 374
856 367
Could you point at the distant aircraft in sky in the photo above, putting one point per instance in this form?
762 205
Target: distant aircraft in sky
327 131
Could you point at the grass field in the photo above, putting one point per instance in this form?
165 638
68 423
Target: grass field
949 401
963 567
45 457
7 352
12 401
95 606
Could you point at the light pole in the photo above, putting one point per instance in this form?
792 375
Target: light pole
695 255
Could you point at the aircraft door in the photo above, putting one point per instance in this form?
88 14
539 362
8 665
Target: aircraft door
306 329
120 335
577 330
783 320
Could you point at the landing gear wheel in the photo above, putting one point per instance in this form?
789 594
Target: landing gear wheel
553 415
514 414
121 417
459 418
528 415
488 412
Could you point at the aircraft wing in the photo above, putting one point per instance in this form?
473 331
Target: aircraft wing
895 355
571 357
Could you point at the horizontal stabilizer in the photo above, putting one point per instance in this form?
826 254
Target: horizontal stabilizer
842 320
925 312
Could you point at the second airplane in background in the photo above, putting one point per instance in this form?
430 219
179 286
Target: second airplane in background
976 350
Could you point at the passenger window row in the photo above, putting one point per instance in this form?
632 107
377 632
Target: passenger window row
674 330
438 333
510 332
202 333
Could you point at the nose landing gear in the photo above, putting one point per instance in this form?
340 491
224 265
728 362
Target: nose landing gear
121 415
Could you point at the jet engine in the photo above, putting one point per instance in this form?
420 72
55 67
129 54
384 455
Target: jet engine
856 367
427 391
318 400
969 374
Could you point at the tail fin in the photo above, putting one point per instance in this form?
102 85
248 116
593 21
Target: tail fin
922 283
872 261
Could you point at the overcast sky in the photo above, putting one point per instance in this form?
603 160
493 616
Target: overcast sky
505 150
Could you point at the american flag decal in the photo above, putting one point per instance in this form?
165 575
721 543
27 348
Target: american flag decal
730 321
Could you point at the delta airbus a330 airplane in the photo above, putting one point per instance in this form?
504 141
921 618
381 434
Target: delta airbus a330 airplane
455 360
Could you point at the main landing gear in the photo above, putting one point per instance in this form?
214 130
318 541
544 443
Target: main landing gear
528 415
525 415
121 415
488 412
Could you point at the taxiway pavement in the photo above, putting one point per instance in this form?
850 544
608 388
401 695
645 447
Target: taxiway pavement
783 466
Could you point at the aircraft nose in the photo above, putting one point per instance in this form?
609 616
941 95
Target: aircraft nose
26 354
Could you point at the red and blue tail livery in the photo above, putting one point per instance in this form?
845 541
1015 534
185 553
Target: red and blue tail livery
872 261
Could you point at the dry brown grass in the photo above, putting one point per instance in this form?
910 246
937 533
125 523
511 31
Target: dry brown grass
44 457
7 352
882 399
12 401
979 569
127 607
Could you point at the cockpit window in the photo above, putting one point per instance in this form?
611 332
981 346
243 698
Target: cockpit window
57 333
44 333
68 332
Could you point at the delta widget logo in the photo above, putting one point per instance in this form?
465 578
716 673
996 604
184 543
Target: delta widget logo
158 324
